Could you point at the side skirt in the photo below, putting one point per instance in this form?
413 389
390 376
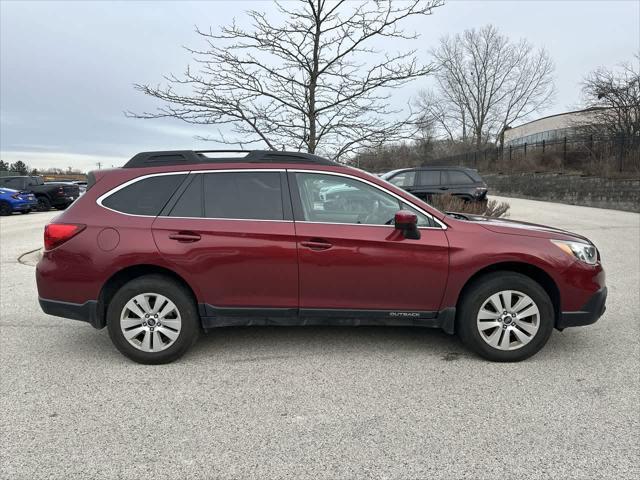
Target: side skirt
215 317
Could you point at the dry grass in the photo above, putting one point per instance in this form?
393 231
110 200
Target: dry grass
449 203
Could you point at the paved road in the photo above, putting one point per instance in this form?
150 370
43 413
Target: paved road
323 402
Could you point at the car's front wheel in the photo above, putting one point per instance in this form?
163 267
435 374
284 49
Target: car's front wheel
44 205
5 209
153 320
505 317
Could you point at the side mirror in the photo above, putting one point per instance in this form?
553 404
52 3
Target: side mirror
407 223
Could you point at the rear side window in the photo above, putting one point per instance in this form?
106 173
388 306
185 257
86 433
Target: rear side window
430 177
146 196
456 177
243 195
190 203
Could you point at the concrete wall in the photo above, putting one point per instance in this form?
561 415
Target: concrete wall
619 194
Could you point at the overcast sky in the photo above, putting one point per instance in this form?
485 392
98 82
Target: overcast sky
67 68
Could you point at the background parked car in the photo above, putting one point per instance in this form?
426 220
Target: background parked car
57 194
424 182
15 201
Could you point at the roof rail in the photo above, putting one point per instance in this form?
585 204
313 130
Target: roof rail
188 157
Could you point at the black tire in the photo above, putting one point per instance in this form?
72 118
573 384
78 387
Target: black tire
475 296
24 212
44 205
62 207
172 290
5 209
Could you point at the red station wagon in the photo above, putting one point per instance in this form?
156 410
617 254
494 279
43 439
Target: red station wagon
178 242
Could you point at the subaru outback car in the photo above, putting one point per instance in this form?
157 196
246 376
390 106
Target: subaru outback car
425 182
176 243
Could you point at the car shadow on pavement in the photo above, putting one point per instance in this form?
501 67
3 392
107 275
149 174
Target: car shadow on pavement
265 343
256 343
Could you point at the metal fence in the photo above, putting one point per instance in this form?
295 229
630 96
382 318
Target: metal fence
605 156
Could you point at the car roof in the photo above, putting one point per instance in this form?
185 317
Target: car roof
194 157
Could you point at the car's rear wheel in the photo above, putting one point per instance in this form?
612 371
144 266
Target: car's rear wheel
153 320
24 212
505 317
44 205
5 209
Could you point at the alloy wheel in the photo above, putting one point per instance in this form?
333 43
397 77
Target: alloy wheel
150 322
508 320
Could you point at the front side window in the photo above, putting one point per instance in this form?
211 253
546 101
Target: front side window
404 179
144 197
335 199
243 195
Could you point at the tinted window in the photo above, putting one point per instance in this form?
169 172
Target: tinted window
430 177
144 197
456 177
15 183
245 195
190 202
335 199
404 179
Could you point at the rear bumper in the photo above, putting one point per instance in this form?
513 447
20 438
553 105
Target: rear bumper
62 200
85 312
588 314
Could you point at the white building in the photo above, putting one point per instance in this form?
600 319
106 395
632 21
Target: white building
551 128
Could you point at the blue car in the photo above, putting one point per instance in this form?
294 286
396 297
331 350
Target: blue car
15 201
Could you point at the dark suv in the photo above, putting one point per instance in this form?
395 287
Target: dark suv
54 194
424 182
178 242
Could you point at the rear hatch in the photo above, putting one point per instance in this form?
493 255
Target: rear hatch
71 190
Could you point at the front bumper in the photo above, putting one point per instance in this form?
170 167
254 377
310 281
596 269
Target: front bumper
588 314
85 312
21 207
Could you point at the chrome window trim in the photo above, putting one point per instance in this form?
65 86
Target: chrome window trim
404 200
102 197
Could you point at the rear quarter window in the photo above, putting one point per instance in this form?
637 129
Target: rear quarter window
146 196
456 177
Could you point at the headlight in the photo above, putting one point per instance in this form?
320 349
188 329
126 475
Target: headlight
582 251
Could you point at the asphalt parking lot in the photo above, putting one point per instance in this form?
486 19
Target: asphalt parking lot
323 402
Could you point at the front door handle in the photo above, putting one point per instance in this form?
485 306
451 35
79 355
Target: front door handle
317 244
444 188
185 237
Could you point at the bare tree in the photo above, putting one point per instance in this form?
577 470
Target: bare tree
313 82
614 97
485 82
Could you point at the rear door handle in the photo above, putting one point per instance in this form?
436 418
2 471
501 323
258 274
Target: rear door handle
185 237
317 244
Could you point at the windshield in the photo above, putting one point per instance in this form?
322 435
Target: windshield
390 174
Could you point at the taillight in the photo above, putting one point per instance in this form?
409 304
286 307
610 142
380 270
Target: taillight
55 234
60 191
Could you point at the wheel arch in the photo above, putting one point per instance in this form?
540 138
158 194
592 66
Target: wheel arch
121 277
532 271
